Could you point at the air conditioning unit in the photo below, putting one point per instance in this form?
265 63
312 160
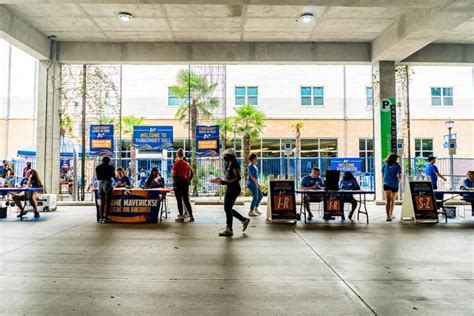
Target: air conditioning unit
46 203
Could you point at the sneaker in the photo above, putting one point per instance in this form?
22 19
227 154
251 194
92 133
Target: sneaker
226 233
37 215
393 217
191 220
245 223
252 213
389 219
179 219
101 221
256 211
21 214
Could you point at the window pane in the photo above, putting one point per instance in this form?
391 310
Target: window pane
435 101
173 101
370 101
239 91
328 144
318 91
435 92
305 100
318 101
361 154
306 91
448 101
417 154
427 144
239 100
362 144
253 100
448 92
368 92
252 91
418 144
370 144
328 154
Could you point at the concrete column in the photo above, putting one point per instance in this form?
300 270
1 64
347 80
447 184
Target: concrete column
48 140
384 88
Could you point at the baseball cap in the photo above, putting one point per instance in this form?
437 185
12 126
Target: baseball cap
431 158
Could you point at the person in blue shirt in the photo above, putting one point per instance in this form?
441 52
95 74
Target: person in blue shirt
468 185
122 181
432 171
312 182
391 173
254 186
349 182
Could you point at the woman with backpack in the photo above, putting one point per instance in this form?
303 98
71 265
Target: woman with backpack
181 176
232 181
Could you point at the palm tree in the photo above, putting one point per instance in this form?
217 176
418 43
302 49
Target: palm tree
298 126
225 129
249 124
198 92
128 122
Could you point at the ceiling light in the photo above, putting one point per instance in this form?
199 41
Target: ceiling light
306 18
125 17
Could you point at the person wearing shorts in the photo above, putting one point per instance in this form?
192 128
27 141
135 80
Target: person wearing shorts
105 174
391 173
32 180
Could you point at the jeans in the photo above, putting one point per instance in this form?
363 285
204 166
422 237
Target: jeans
181 191
231 195
257 196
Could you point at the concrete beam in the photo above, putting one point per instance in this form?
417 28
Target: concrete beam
304 3
451 54
418 28
20 34
155 53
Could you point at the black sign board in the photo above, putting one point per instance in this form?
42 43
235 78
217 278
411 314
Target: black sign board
333 204
282 199
424 202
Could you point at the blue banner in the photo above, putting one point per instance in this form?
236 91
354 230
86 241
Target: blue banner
102 140
153 137
353 165
207 141
65 164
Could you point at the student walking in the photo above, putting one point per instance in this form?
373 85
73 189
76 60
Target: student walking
180 174
254 186
232 181
391 173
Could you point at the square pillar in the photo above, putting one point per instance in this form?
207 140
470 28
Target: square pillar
48 126
385 128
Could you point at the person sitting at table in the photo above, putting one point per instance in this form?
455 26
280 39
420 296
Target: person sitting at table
468 184
122 181
154 180
31 196
349 182
312 182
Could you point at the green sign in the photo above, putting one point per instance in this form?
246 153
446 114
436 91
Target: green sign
388 126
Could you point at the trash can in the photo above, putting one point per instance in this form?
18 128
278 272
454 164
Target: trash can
3 212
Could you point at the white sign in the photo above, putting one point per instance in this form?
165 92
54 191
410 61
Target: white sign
445 139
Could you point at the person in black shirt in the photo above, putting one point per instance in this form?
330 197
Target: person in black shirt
232 181
105 174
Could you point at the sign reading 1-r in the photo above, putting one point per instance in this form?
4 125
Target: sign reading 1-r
388 126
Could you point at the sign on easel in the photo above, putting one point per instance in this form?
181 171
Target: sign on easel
334 205
419 202
282 200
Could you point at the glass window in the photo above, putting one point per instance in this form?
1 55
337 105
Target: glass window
173 99
442 96
369 96
423 147
246 95
312 96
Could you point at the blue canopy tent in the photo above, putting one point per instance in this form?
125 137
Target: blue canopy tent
66 149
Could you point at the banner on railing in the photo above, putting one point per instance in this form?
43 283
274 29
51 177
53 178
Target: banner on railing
102 140
353 165
207 141
153 137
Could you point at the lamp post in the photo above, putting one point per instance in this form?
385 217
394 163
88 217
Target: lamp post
449 125
234 128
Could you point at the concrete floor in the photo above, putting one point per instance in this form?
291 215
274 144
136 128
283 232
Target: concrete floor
66 263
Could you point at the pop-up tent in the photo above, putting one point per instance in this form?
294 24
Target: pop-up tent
66 149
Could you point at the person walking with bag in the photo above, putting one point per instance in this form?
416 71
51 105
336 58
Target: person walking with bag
254 186
232 181
180 174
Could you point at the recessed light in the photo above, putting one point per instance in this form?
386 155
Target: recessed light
125 16
306 18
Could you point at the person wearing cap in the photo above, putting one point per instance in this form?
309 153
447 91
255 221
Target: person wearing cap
432 171
232 181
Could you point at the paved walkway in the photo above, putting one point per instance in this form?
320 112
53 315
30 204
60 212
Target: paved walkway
67 263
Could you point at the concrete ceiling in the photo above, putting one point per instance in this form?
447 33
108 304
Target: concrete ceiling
395 29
